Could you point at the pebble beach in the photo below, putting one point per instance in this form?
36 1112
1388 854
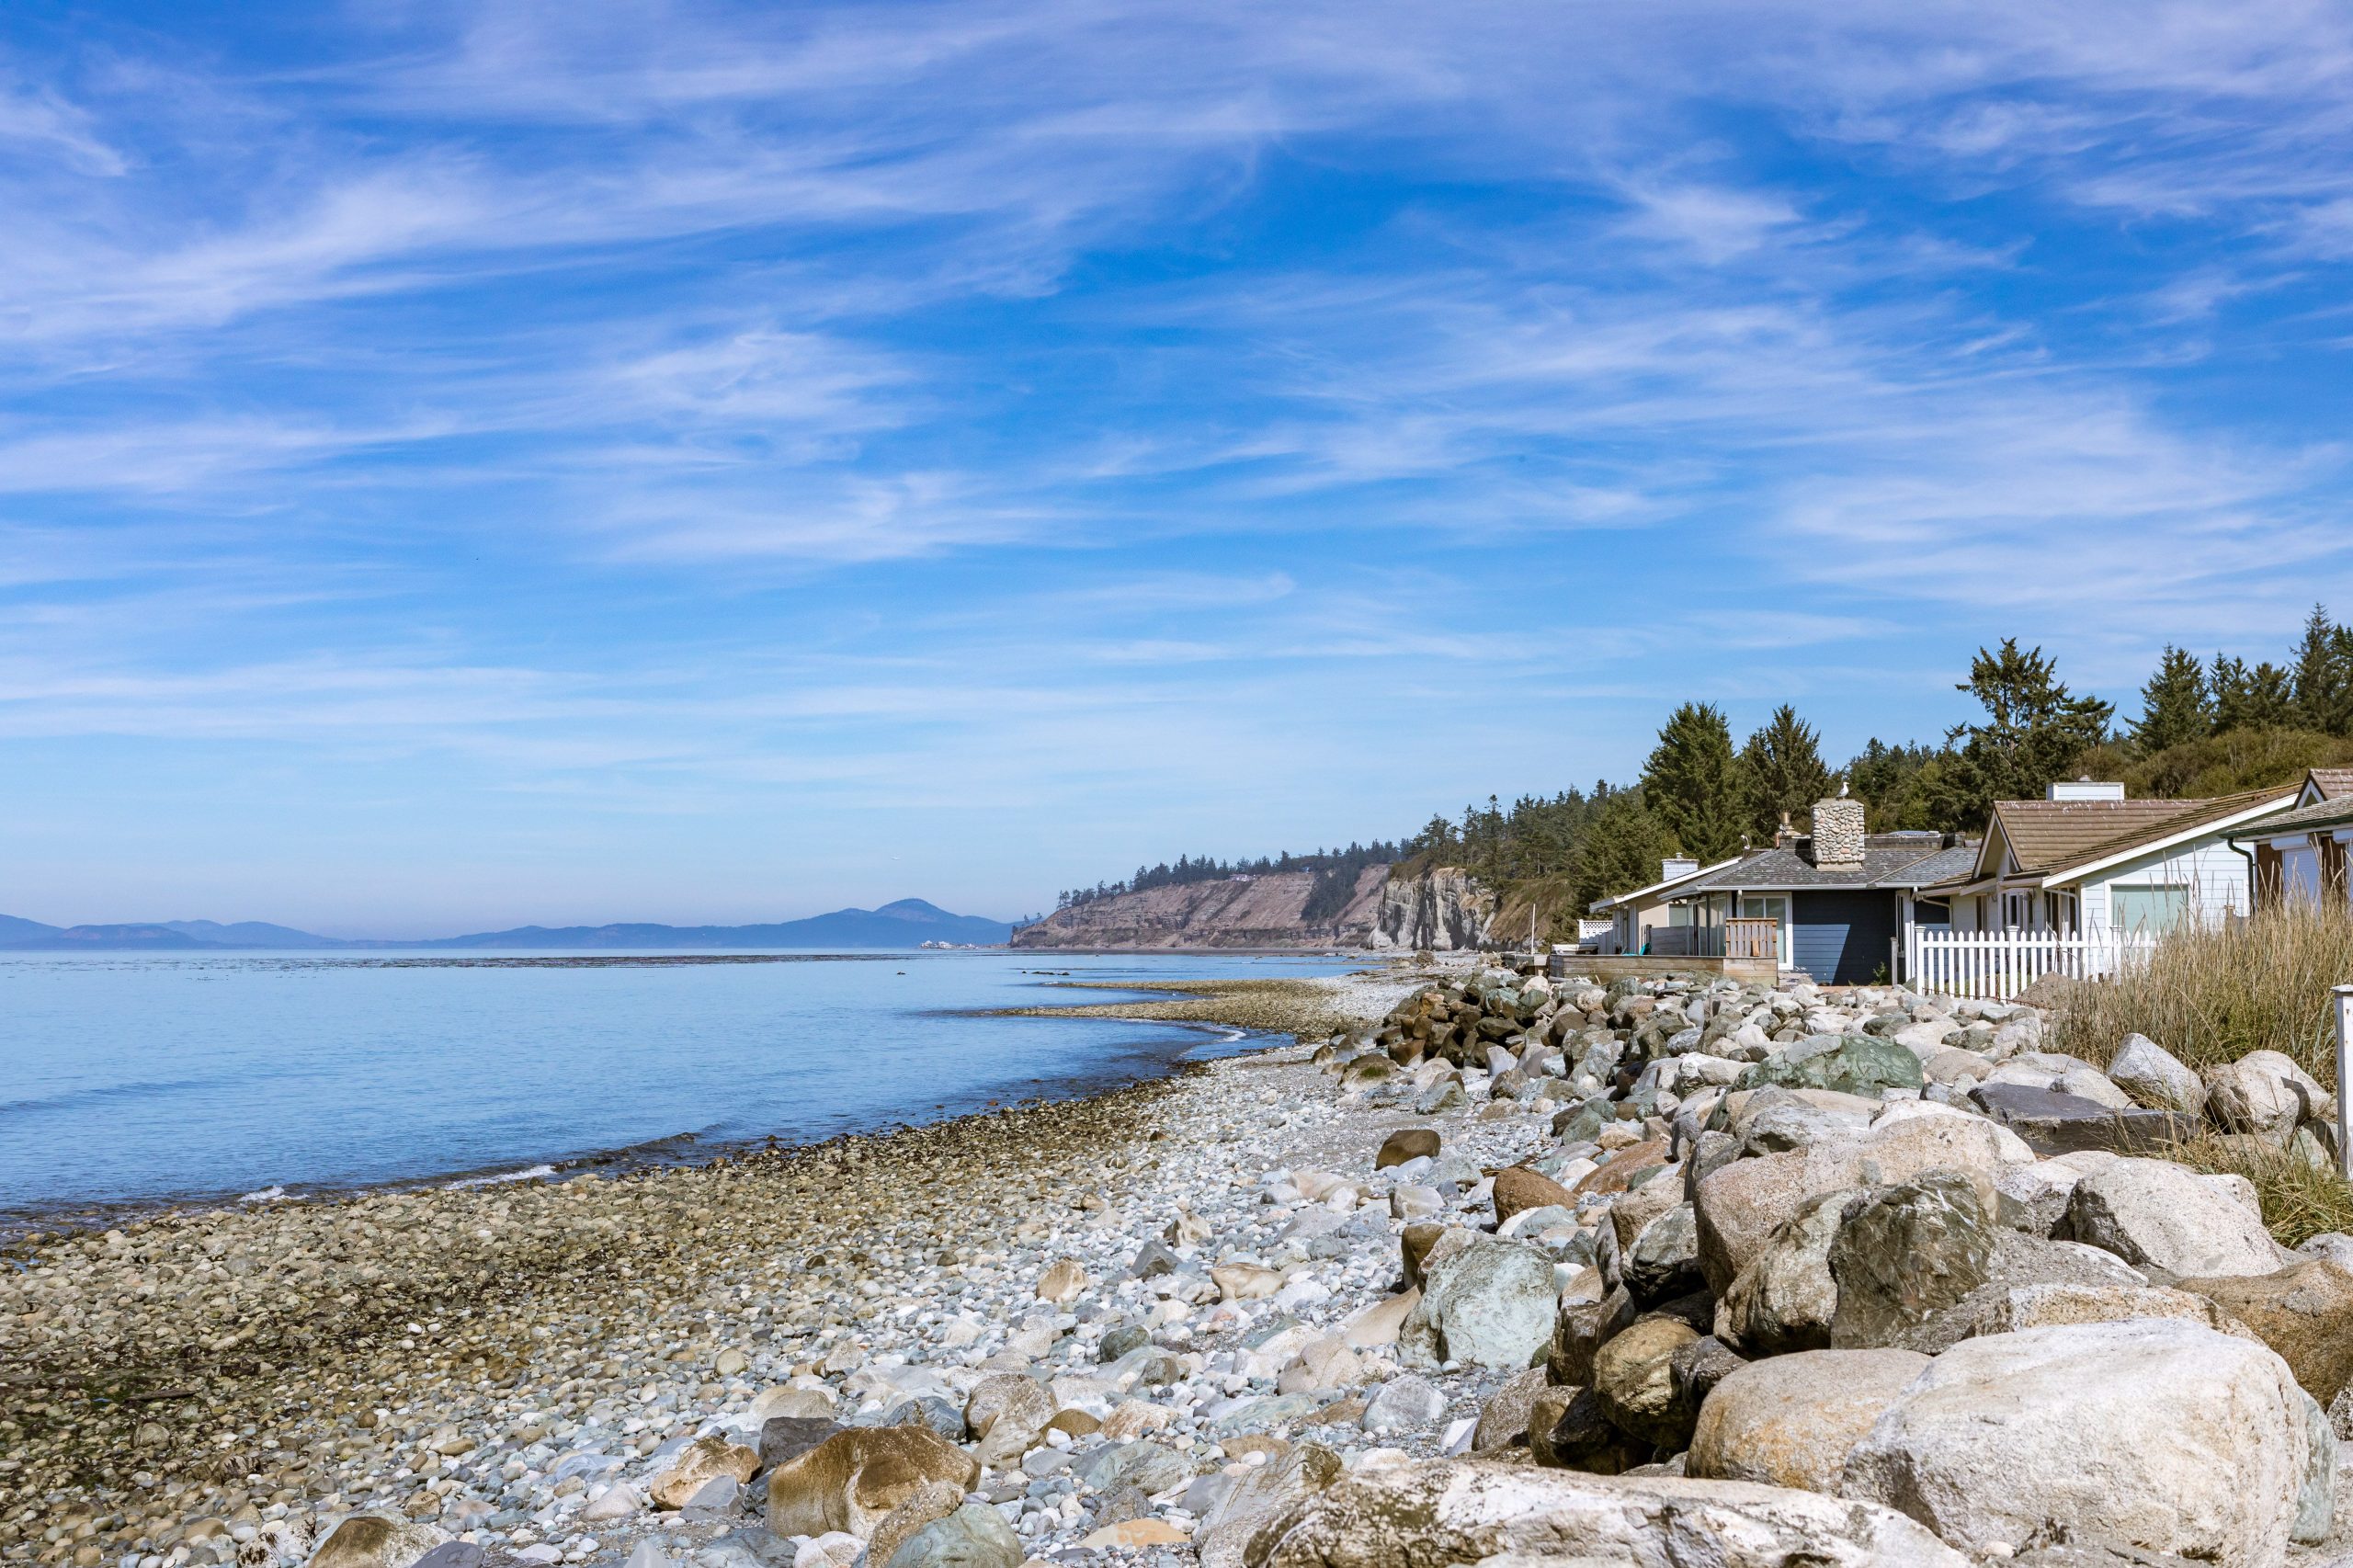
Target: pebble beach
514 1365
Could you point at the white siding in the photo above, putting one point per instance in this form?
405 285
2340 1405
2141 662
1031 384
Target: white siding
2215 873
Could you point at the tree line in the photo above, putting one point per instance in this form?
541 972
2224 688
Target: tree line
2204 728
1335 870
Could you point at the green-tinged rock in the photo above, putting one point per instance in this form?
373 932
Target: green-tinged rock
1851 1064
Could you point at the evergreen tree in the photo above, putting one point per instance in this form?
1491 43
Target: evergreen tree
1692 783
2175 706
1784 773
2034 727
2323 676
2262 698
1620 849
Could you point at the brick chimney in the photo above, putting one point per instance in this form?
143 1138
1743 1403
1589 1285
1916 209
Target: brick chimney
1837 834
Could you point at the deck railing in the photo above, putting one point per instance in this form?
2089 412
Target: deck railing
1753 937
1756 940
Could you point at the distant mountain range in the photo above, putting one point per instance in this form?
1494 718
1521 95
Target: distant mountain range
909 923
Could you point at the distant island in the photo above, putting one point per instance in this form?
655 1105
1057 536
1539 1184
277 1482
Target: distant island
908 923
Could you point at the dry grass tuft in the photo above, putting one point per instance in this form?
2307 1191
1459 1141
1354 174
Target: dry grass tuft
2212 996
2299 1199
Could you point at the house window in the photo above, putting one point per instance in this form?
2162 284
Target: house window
2059 912
2014 908
2148 907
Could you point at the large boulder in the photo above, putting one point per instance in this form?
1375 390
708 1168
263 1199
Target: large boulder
2156 1077
1007 1412
701 1462
1486 1302
376 1541
2303 1312
1465 1512
1850 1064
1240 1529
1785 1298
2154 1435
1739 1208
1580 1328
852 1479
1903 1254
2157 1214
1567 1429
974 1536
2052 1121
1664 1261
1518 1187
2263 1093
1633 1375
1502 1420
2021 1307
1791 1421
1407 1143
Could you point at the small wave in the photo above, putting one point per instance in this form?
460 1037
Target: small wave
267 1195
534 1173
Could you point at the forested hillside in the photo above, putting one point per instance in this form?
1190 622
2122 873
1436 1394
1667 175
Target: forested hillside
2203 728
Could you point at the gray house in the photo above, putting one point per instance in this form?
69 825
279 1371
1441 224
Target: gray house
1833 902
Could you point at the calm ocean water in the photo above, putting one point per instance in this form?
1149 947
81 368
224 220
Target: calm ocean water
139 1078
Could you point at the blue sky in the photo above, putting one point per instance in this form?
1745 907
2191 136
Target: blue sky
469 464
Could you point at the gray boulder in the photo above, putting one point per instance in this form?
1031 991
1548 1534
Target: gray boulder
1241 1529
1784 1301
1905 1253
1664 1261
2156 1436
2156 1214
1402 1405
2263 1093
974 1536
2052 1121
1851 1064
2156 1077
1464 1511
1487 1303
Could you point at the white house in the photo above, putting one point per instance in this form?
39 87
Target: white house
1631 914
2086 861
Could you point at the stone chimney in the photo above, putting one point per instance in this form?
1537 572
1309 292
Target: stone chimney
1837 834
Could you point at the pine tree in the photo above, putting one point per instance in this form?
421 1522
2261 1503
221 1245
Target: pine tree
1692 783
1783 771
2034 727
2262 698
1620 849
2175 706
2323 676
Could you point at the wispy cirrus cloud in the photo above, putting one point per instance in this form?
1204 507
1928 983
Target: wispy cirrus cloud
854 416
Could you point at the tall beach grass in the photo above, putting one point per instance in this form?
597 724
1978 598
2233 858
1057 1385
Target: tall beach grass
2211 994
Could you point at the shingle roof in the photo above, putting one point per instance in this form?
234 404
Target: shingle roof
2324 813
1945 865
2050 836
2333 783
1787 868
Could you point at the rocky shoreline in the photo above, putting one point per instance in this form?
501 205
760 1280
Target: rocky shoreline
198 1377
1665 1272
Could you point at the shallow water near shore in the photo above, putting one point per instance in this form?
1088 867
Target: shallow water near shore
137 1079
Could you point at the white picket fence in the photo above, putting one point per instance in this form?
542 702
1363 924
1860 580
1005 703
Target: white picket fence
1995 966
